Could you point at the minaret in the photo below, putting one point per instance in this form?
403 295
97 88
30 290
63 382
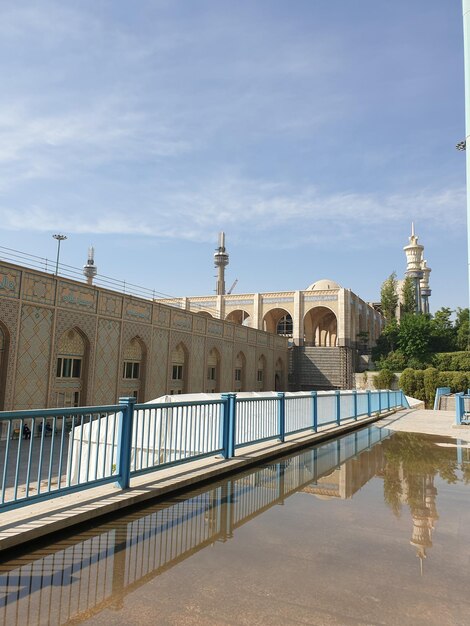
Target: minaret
220 262
425 289
414 260
90 268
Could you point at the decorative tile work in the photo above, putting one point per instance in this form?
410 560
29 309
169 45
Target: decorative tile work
157 364
107 362
198 370
215 328
86 324
229 331
161 315
10 282
76 296
110 305
181 320
241 333
38 288
33 357
9 318
137 310
199 324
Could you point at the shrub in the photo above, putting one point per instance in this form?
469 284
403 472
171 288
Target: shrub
431 383
394 361
452 361
408 382
384 379
459 382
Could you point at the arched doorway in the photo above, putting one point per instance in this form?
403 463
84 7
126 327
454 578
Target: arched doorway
320 327
261 374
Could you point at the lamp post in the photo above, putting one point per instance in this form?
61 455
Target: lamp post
59 239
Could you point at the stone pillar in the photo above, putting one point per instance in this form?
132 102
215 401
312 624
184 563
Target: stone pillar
298 320
257 306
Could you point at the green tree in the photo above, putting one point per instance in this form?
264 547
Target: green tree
408 296
414 334
389 297
443 332
462 328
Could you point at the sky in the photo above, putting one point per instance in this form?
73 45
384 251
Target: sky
312 132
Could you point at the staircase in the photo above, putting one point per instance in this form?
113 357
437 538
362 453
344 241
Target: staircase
314 368
446 403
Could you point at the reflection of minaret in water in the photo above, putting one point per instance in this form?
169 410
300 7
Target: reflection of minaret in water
424 516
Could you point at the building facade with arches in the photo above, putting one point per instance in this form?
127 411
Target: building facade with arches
323 315
65 343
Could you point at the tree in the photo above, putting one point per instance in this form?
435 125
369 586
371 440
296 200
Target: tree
462 327
389 297
408 296
443 333
414 334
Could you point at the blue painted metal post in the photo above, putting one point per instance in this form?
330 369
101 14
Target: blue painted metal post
338 407
355 403
228 424
388 399
125 442
369 403
459 405
314 410
281 412
379 393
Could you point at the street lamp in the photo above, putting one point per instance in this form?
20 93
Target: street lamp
59 239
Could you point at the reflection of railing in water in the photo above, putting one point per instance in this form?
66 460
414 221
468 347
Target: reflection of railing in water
96 572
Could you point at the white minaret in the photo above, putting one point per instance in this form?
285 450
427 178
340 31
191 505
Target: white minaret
424 284
414 261
220 262
90 270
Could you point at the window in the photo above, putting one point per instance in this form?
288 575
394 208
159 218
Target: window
177 372
211 373
260 376
68 367
238 374
285 326
131 369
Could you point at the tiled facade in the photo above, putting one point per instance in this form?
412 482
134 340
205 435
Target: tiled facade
49 323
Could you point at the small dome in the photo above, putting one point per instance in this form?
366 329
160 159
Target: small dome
323 285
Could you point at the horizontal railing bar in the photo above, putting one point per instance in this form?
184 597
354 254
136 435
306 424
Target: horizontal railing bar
84 410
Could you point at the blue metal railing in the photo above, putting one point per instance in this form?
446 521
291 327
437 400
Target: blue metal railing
50 452
462 409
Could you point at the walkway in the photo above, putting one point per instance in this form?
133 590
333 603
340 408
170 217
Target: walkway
37 520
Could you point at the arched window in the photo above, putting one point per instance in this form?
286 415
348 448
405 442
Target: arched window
213 372
261 374
133 369
70 372
179 366
240 372
285 326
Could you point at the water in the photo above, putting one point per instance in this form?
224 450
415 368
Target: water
371 528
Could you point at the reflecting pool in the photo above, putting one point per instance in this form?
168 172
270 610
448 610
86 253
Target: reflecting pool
370 528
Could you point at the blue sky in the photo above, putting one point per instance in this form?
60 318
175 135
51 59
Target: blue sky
312 132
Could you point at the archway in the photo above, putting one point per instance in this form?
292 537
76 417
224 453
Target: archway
278 321
240 372
261 374
320 327
239 316
179 370
133 369
71 368
213 371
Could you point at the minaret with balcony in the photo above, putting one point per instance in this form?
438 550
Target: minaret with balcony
414 263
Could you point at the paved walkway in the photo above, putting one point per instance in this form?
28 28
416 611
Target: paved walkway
37 520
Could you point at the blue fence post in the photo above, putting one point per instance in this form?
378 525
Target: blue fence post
338 407
314 411
228 424
379 393
354 392
388 399
124 445
369 403
281 412
459 406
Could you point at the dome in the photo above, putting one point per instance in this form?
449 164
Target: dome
323 285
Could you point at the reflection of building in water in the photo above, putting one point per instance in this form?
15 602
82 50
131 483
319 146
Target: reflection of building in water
349 477
96 569
424 516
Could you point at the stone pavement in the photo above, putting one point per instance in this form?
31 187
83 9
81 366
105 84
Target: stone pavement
428 422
